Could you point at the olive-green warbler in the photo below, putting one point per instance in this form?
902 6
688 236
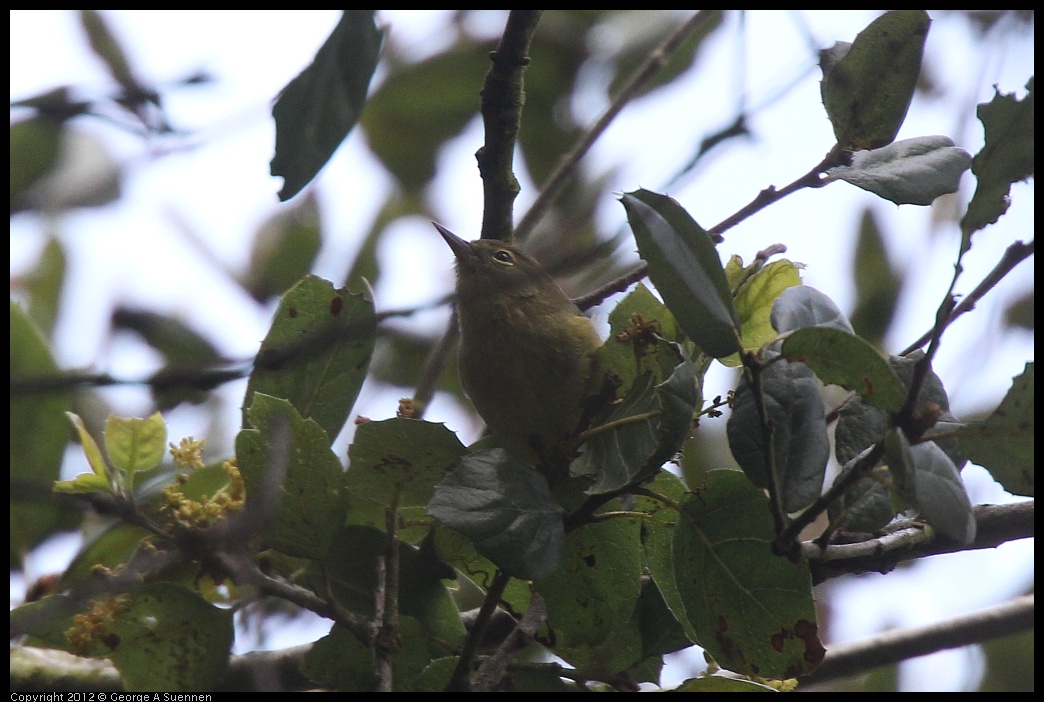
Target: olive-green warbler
525 348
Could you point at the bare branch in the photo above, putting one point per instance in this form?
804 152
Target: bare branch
898 645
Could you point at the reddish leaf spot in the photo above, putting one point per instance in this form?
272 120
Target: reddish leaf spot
777 642
336 305
723 624
805 628
292 311
807 632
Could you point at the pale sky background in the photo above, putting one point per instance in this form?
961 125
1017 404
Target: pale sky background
135 251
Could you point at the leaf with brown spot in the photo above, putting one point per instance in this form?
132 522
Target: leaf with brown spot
739 597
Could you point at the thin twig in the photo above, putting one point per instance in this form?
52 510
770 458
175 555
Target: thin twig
1013 255
766 197
492 671
652 65
461 680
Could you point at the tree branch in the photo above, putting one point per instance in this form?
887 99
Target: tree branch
898 645
995 524
461 680
502 99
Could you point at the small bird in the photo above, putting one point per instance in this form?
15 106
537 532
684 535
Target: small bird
525 348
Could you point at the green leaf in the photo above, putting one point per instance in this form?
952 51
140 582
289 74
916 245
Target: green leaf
184 350
111 548
908 172
46 620
628 358
44 286
457 551
877 282
341 662
290 473
645 429
167 639
317 352
684 266
1020 313
317 109
591 598
406 128
436 676
752 610
656 536
285 247
349 572
640 34
424 596
720 683
870 503
1003 444
34 147
397 463
662 631
802 306
38 436
134 445
348 569
755 300
867 91
842 359
861 425
929 481
1005 158
505 507
90 448
82 484
801 446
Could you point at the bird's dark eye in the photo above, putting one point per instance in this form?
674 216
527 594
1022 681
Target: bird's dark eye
504 256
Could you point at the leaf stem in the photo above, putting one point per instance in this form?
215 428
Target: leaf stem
754 369
585 435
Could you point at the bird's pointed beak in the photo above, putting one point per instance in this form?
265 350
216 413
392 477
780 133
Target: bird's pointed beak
460 247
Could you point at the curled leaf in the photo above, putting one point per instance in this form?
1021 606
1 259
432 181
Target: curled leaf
908 172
